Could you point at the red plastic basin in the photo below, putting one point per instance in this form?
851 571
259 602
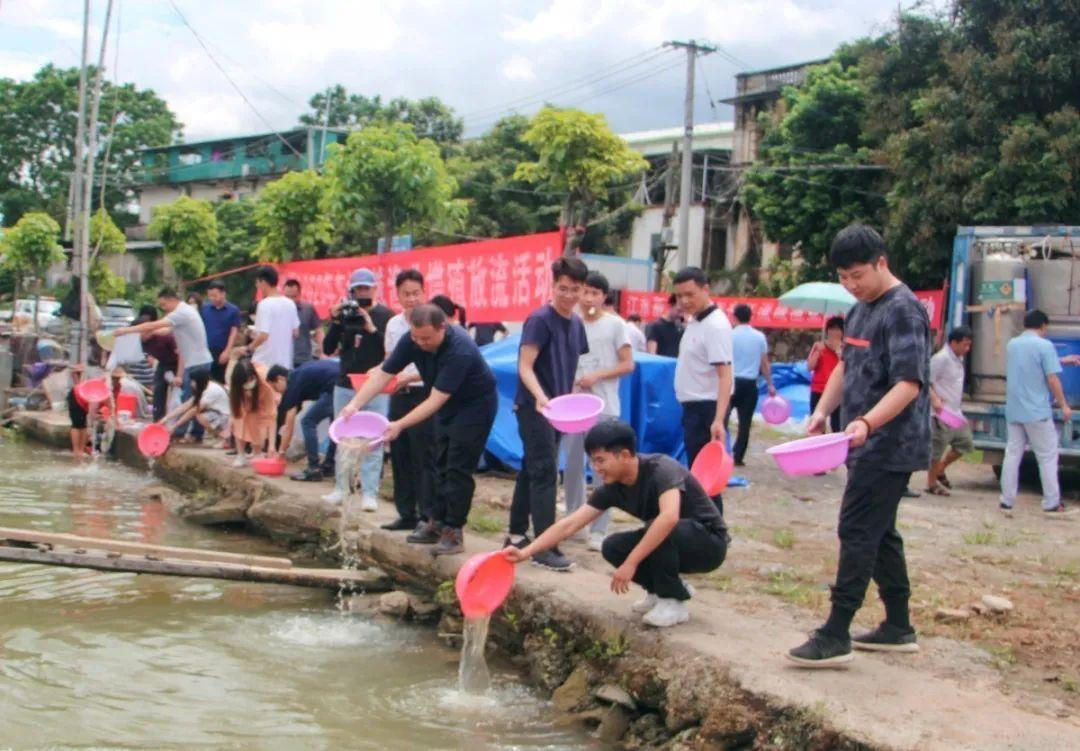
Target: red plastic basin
153 440
359 379
713 467
89 392
271 466
483 583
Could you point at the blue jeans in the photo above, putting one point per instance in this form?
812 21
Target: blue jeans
185 394
371 467
322 409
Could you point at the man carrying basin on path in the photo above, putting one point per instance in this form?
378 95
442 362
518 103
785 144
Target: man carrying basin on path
750 352
551 341
684 531
947 391
609 358
463 401
883 384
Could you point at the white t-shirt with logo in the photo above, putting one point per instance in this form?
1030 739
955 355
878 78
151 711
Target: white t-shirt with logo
277 317
606 336
705 343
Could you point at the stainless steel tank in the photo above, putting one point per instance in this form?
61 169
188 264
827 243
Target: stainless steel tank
988 367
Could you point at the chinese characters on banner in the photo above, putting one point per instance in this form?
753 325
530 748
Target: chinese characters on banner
494 280
768 313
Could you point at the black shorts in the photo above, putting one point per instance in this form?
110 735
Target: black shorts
76 413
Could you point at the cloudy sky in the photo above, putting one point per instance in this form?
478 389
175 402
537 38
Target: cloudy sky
482 57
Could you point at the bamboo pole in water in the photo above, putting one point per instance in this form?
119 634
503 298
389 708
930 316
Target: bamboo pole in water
123 546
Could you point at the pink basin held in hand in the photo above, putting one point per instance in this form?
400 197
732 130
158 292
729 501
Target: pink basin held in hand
951 418
483 583
153 440
369 425
713 467
809 456
775 410
574 413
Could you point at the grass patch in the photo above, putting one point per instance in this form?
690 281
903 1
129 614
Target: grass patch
974 457
981 537
1069 570
484 523
719 582
787 587
1003 655
784 538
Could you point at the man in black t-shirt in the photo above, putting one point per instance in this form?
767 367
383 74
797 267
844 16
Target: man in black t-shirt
463 400
883 385
684 532
663 334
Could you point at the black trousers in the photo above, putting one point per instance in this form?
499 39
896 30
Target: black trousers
697 420
534 490
412 457
834 418
870 546
459 450
691 548
160 398
217 370
744 402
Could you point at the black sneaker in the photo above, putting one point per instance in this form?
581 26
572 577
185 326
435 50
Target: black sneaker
399 525
311 474
944 481
822 651
520 544
553 560
451 542
886 638
426 533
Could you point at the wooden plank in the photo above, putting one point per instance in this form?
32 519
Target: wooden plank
159 551
369 580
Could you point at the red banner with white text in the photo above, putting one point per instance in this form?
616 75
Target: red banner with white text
768 312
494 280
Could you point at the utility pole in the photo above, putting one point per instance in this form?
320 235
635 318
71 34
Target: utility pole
76 192
685 190
325 125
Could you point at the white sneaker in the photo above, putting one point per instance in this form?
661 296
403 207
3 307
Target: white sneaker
596 541
668 612
646 604
335 496
240 461
369 503
689 587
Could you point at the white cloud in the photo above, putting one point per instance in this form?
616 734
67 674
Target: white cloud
518 68
562 19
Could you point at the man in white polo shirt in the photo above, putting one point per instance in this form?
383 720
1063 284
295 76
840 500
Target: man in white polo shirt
947 390
703 380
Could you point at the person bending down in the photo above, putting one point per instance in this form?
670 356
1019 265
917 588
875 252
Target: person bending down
684 531
208 405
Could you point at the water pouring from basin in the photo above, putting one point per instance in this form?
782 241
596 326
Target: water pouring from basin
482 585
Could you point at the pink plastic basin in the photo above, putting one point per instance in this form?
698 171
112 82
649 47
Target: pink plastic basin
359 379
574 413
951 418
369 425
483 583
713 467
94 390
808 456
267 465
775 410
153 440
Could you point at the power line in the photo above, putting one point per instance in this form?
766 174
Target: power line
228 78
708 91
628 82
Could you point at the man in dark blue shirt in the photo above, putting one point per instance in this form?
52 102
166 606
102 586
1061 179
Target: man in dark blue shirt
882 384
311 382
464 401
551 341
222 321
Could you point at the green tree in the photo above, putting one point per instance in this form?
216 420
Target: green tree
580 158
293 217
815 173
385 180
37 141
188 231
105 239
30 247
238 235
429 116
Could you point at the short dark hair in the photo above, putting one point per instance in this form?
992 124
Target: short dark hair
743 313
167 293
267 274
216 284
149 312
574 268
836 322
634 318
408 275
445 304
855 244
596 280
1035 319
276 372
611 298
293 283
691 274
427 314
611 435
960 333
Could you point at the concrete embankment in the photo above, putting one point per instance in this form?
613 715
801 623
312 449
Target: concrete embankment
719 681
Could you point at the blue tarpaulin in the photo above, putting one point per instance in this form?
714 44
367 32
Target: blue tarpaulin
647 397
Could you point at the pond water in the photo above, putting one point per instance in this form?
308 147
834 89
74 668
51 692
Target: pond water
100 660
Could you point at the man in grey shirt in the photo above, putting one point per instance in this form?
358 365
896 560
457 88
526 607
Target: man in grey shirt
310 326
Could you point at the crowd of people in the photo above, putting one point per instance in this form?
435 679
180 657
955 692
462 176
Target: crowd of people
872 376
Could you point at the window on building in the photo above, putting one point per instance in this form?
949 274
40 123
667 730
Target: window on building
189 157
296 142
257 149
